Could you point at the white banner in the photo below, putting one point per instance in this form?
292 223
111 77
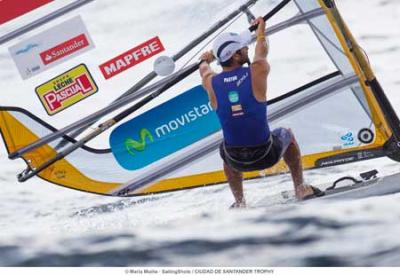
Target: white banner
51 47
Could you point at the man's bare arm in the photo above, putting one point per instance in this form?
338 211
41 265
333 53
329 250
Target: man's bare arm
206 74
260 67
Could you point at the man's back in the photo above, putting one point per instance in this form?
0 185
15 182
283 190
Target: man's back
243 118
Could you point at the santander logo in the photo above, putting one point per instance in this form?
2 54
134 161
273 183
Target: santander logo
64 49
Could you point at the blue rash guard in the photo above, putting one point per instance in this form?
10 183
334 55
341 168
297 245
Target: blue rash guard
242 117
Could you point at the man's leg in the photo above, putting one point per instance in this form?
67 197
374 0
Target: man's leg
292 157
235 179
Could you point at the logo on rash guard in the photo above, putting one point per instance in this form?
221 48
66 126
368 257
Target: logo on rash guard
242 79
233 96
230 79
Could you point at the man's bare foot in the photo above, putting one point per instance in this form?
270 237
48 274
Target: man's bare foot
307 191
238 205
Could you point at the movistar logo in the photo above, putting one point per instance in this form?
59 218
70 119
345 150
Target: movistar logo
146 136
164 130
132 145
183 120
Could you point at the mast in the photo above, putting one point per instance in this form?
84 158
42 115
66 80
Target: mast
393 145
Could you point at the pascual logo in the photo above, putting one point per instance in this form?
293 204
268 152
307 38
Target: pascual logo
64 49
66 89
27 48
167 128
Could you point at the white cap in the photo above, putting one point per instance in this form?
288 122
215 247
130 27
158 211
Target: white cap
227 44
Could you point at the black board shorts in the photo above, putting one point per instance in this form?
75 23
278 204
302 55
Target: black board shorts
258 157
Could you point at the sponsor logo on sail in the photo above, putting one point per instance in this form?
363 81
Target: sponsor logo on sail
165 129
30 71
12 9
51 47
66 89
133 146
348 139
131 58
183 120
27 48
64 49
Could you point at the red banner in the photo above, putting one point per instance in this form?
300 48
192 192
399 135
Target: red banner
64 49
131 58
10 9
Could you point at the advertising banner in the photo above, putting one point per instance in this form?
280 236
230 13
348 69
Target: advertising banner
51 47
66 89
10 9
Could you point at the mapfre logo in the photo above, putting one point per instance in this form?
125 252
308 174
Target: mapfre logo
131 58
66 89
64 49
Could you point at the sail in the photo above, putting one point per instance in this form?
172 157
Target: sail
319 87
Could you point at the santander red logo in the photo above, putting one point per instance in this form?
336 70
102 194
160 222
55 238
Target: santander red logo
64 49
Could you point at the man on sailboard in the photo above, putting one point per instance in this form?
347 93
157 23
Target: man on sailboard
239 95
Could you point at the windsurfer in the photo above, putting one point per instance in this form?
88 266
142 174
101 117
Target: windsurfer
239 96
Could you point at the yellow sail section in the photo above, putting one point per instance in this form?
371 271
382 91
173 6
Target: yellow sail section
16 135
360 65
